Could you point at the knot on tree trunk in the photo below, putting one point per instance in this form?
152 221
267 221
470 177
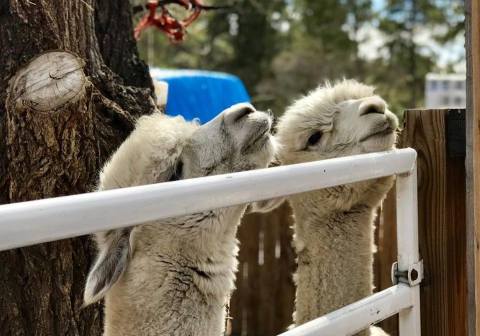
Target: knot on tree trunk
49 82
50 132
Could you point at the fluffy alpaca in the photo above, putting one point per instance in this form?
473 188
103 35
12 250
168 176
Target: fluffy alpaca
333 230
173 277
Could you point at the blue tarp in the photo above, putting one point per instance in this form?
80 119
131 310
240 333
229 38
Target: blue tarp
200 94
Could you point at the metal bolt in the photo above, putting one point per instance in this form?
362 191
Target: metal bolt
414 275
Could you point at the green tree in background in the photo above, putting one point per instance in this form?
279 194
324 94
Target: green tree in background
256 40
404 24
284 48
322 44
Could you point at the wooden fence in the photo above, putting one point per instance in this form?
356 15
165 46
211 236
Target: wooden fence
263 302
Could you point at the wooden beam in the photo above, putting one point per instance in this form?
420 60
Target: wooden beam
472 16
439 138
441 223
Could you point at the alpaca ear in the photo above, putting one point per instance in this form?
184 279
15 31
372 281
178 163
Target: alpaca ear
114 254
265 206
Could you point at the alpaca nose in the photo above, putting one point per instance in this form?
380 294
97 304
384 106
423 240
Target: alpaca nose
238 112
372 105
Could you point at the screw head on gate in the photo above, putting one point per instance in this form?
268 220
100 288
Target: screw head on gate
414 275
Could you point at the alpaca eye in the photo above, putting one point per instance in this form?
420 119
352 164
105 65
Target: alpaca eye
314 138
177 174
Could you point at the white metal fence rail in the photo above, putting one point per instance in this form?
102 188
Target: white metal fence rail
28 223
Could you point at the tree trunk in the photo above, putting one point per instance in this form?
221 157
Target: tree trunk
62 114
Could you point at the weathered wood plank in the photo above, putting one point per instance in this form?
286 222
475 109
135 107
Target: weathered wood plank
386 240
441 223
472 19
425 132
263 301
456 248
264 259
285 289
252 248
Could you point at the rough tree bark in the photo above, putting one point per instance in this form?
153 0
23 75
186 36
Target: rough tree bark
55 133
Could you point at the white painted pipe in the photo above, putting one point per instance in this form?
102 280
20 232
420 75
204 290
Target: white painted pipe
407 246
52 219
358 316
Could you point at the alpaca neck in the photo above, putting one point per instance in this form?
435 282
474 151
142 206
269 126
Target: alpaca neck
334 243
178 280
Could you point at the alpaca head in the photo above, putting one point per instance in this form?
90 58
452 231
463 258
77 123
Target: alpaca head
347 118
163 149
334 121
237 140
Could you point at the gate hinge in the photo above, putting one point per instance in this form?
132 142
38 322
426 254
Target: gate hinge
412 277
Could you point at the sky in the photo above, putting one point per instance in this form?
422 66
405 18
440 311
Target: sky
378 4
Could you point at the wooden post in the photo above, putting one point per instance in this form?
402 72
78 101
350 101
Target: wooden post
439 138
262 303
472 16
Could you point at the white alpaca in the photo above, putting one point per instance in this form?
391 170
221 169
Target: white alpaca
333 230
173 277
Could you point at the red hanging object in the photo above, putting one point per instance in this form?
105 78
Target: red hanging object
174 28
